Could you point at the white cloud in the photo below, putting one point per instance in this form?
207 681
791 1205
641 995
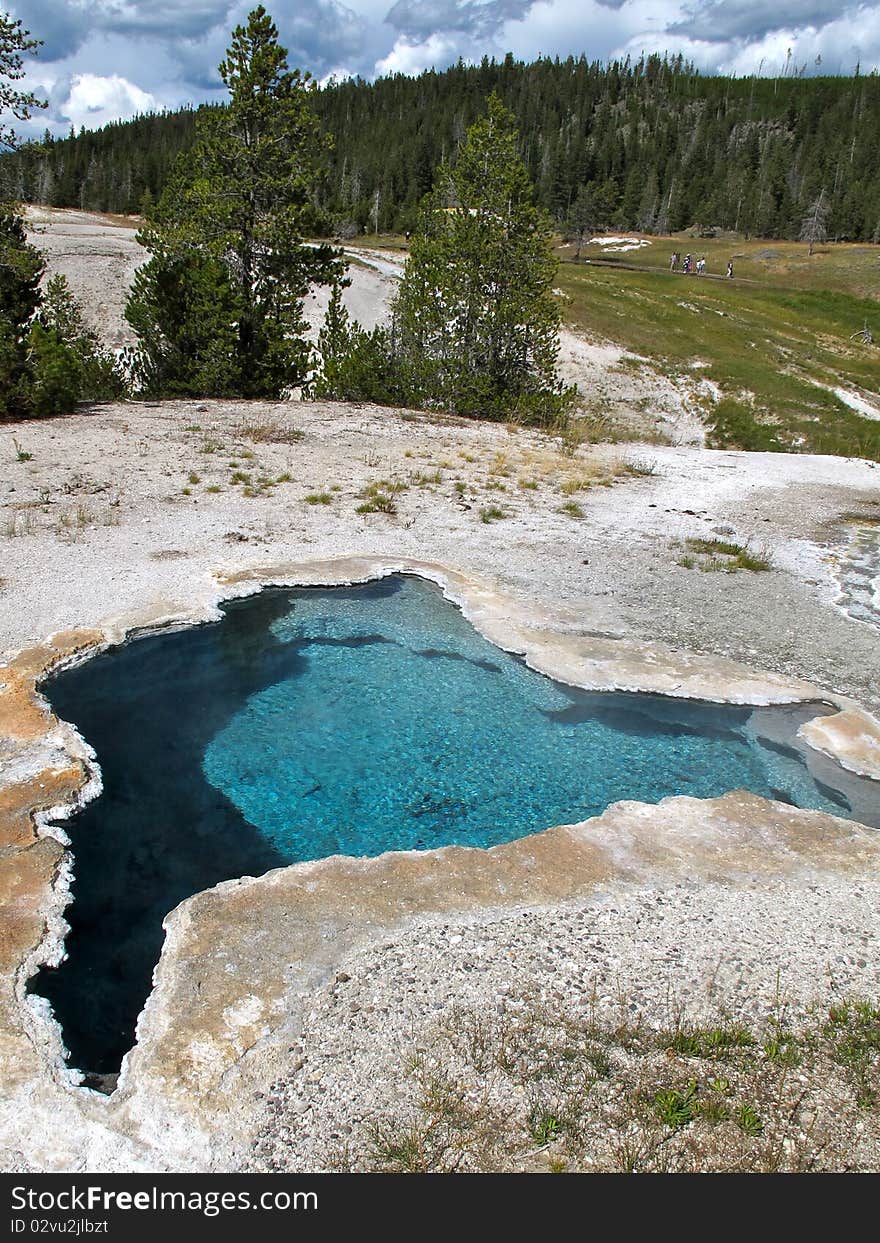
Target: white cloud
92 100
436 51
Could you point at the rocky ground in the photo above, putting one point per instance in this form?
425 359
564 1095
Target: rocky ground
446 1047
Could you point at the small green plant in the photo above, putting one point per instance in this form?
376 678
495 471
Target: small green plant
728 557
399 1150
21 455
543 1126
748 1120
210 445
213 487
240 476
388 486
194 478
852 1031
319 498
492 514
709 1041
187 491
528 485
677 1107
573 509
379 497
782 1048
713 1109
377 503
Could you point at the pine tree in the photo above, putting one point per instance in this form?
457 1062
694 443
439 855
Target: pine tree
475 324
584 219
67 361
14 40
21 266
227 236
355 365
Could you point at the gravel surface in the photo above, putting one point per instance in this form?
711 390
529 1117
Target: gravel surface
656 956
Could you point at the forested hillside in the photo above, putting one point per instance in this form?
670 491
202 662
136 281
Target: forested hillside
662 146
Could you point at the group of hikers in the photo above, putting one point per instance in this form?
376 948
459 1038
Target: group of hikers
688 265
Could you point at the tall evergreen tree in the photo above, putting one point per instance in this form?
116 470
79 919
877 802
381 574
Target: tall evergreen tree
584 218
475 323
14 40
21 267
227 236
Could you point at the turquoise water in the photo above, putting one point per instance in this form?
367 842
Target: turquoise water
407 730
351 720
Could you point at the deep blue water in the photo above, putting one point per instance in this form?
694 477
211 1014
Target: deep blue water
312 722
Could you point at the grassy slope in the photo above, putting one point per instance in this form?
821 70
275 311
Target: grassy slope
768 337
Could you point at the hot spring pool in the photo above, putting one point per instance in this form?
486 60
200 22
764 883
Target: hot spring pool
312 722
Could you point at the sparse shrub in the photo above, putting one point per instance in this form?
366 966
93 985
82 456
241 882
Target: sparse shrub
377 503
270 432
723 555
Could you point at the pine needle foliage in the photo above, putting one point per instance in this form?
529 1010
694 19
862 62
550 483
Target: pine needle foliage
476 324
219 308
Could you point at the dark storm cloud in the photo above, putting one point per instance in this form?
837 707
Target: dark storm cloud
60 26
418 19
720 20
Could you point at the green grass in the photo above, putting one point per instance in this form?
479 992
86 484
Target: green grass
318 498
377 503
719 554
767 345
706 1042
573 509
492 513
529 1086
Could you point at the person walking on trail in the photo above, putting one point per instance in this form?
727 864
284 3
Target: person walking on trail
686 266
729 271
673 263
701 266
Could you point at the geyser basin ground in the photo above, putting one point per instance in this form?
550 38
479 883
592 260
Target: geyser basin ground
352 720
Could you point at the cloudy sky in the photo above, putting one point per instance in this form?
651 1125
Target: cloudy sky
105 59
